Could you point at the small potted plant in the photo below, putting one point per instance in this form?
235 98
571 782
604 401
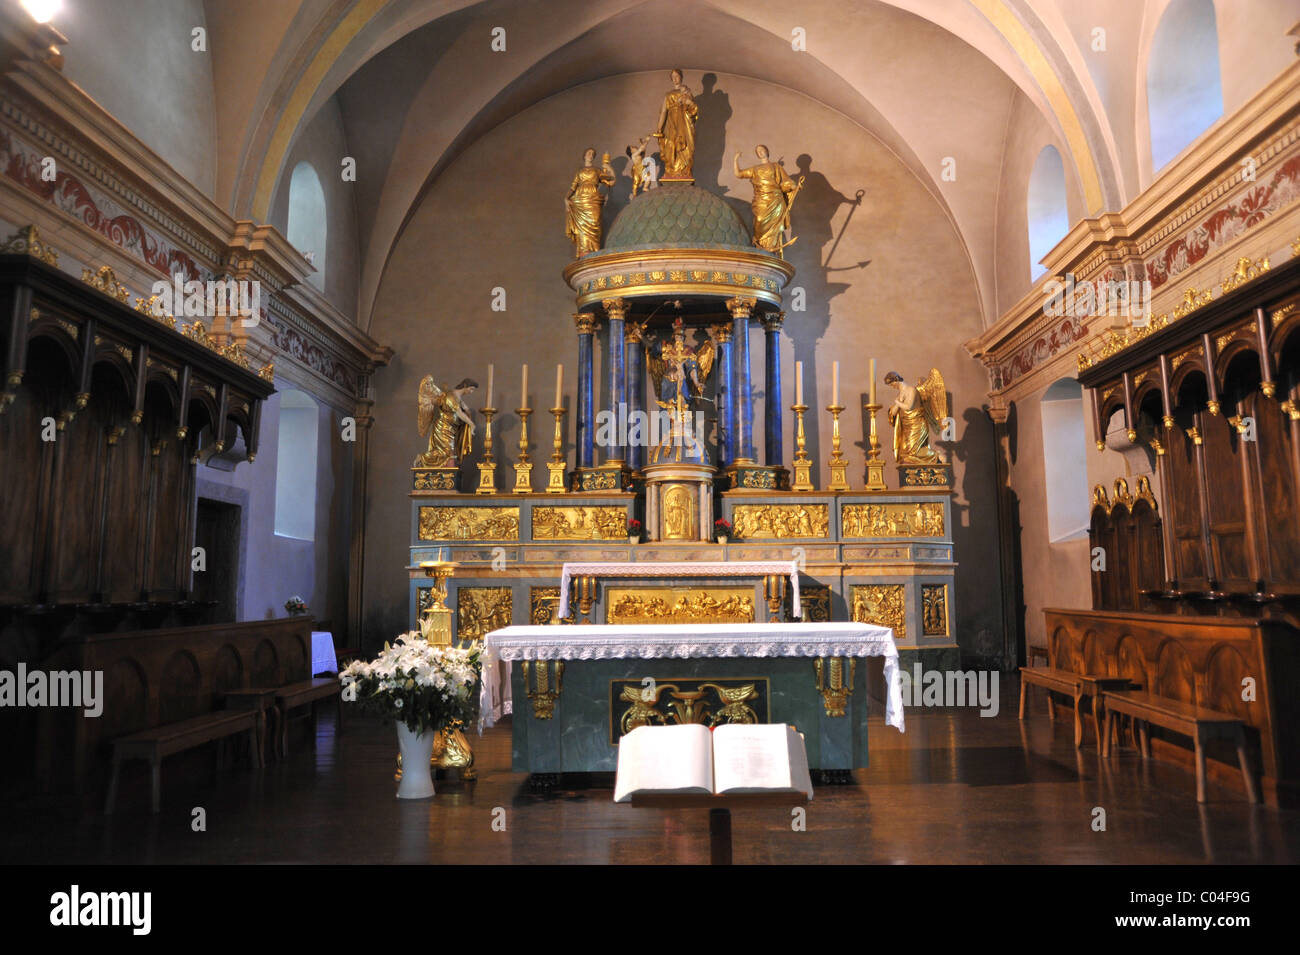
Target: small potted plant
722 528
295 606
633 530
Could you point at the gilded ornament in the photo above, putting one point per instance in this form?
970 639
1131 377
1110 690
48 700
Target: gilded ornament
543 604
538 688
106 281
705 701
1245 271
835 692
27 241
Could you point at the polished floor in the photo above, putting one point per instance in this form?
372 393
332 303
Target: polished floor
955 788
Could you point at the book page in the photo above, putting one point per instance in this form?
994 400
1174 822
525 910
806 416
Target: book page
664 759
759 758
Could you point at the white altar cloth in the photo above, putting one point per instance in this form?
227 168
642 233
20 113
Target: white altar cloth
680 641
693 568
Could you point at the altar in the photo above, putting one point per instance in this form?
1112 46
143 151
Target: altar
578 690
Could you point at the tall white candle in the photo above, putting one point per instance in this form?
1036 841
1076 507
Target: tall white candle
491 370
523 390
835 382
871 374
798 382
559 384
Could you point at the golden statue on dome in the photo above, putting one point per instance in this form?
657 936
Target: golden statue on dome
584 201
676 129
774 194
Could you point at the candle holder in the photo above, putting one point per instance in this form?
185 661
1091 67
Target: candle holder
802 463
523 467
875 466
838 464
555 466
436 625
487 468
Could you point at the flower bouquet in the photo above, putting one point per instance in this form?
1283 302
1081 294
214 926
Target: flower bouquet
295 606
722 529
425 689
633 530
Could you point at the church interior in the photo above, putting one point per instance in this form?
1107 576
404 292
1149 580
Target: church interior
923 375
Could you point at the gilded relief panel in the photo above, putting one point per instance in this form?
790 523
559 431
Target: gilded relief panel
780 520
480 610
882 604
633 605
580 522
440 522
934 610
923 519
544 604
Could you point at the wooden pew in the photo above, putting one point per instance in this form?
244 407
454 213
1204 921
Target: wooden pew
305 693
160 742
1197 722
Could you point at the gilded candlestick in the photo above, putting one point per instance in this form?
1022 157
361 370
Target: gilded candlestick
802 463
875 466
555 466
839 466
523 467
487 468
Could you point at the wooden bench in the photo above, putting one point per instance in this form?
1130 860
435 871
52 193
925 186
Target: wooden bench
307 693
162 741
1194 721
1077 686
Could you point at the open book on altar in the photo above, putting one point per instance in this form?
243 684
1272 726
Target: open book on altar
691 758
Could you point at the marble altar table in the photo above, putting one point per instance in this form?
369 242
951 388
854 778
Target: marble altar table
577 690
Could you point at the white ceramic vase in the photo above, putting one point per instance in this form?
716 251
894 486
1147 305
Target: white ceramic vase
417 750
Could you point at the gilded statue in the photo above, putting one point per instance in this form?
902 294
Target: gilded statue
774 194
584 201
444 418
641 167
676 129
917 415
678 372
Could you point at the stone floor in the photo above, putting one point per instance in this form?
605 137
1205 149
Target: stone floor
955 788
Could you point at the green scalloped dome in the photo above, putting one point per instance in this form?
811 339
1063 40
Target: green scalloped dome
677 216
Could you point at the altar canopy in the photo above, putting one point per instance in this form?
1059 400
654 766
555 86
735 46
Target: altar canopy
694 568
680 642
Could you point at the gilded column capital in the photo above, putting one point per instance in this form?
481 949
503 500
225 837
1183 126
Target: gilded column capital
721 333
773 321
615 308
741 306
585 322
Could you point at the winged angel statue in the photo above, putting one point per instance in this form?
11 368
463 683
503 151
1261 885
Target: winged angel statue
917 415
678 373
445 419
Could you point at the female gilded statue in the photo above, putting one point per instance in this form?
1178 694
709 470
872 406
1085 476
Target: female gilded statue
774 192
445 419
676 129
583 203
917 415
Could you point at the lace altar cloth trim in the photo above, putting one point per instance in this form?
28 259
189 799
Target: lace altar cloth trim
720 568
683 641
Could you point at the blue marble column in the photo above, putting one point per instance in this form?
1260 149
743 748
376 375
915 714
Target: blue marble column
724 386
585 437
772 405
742 396
636 392
616 309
